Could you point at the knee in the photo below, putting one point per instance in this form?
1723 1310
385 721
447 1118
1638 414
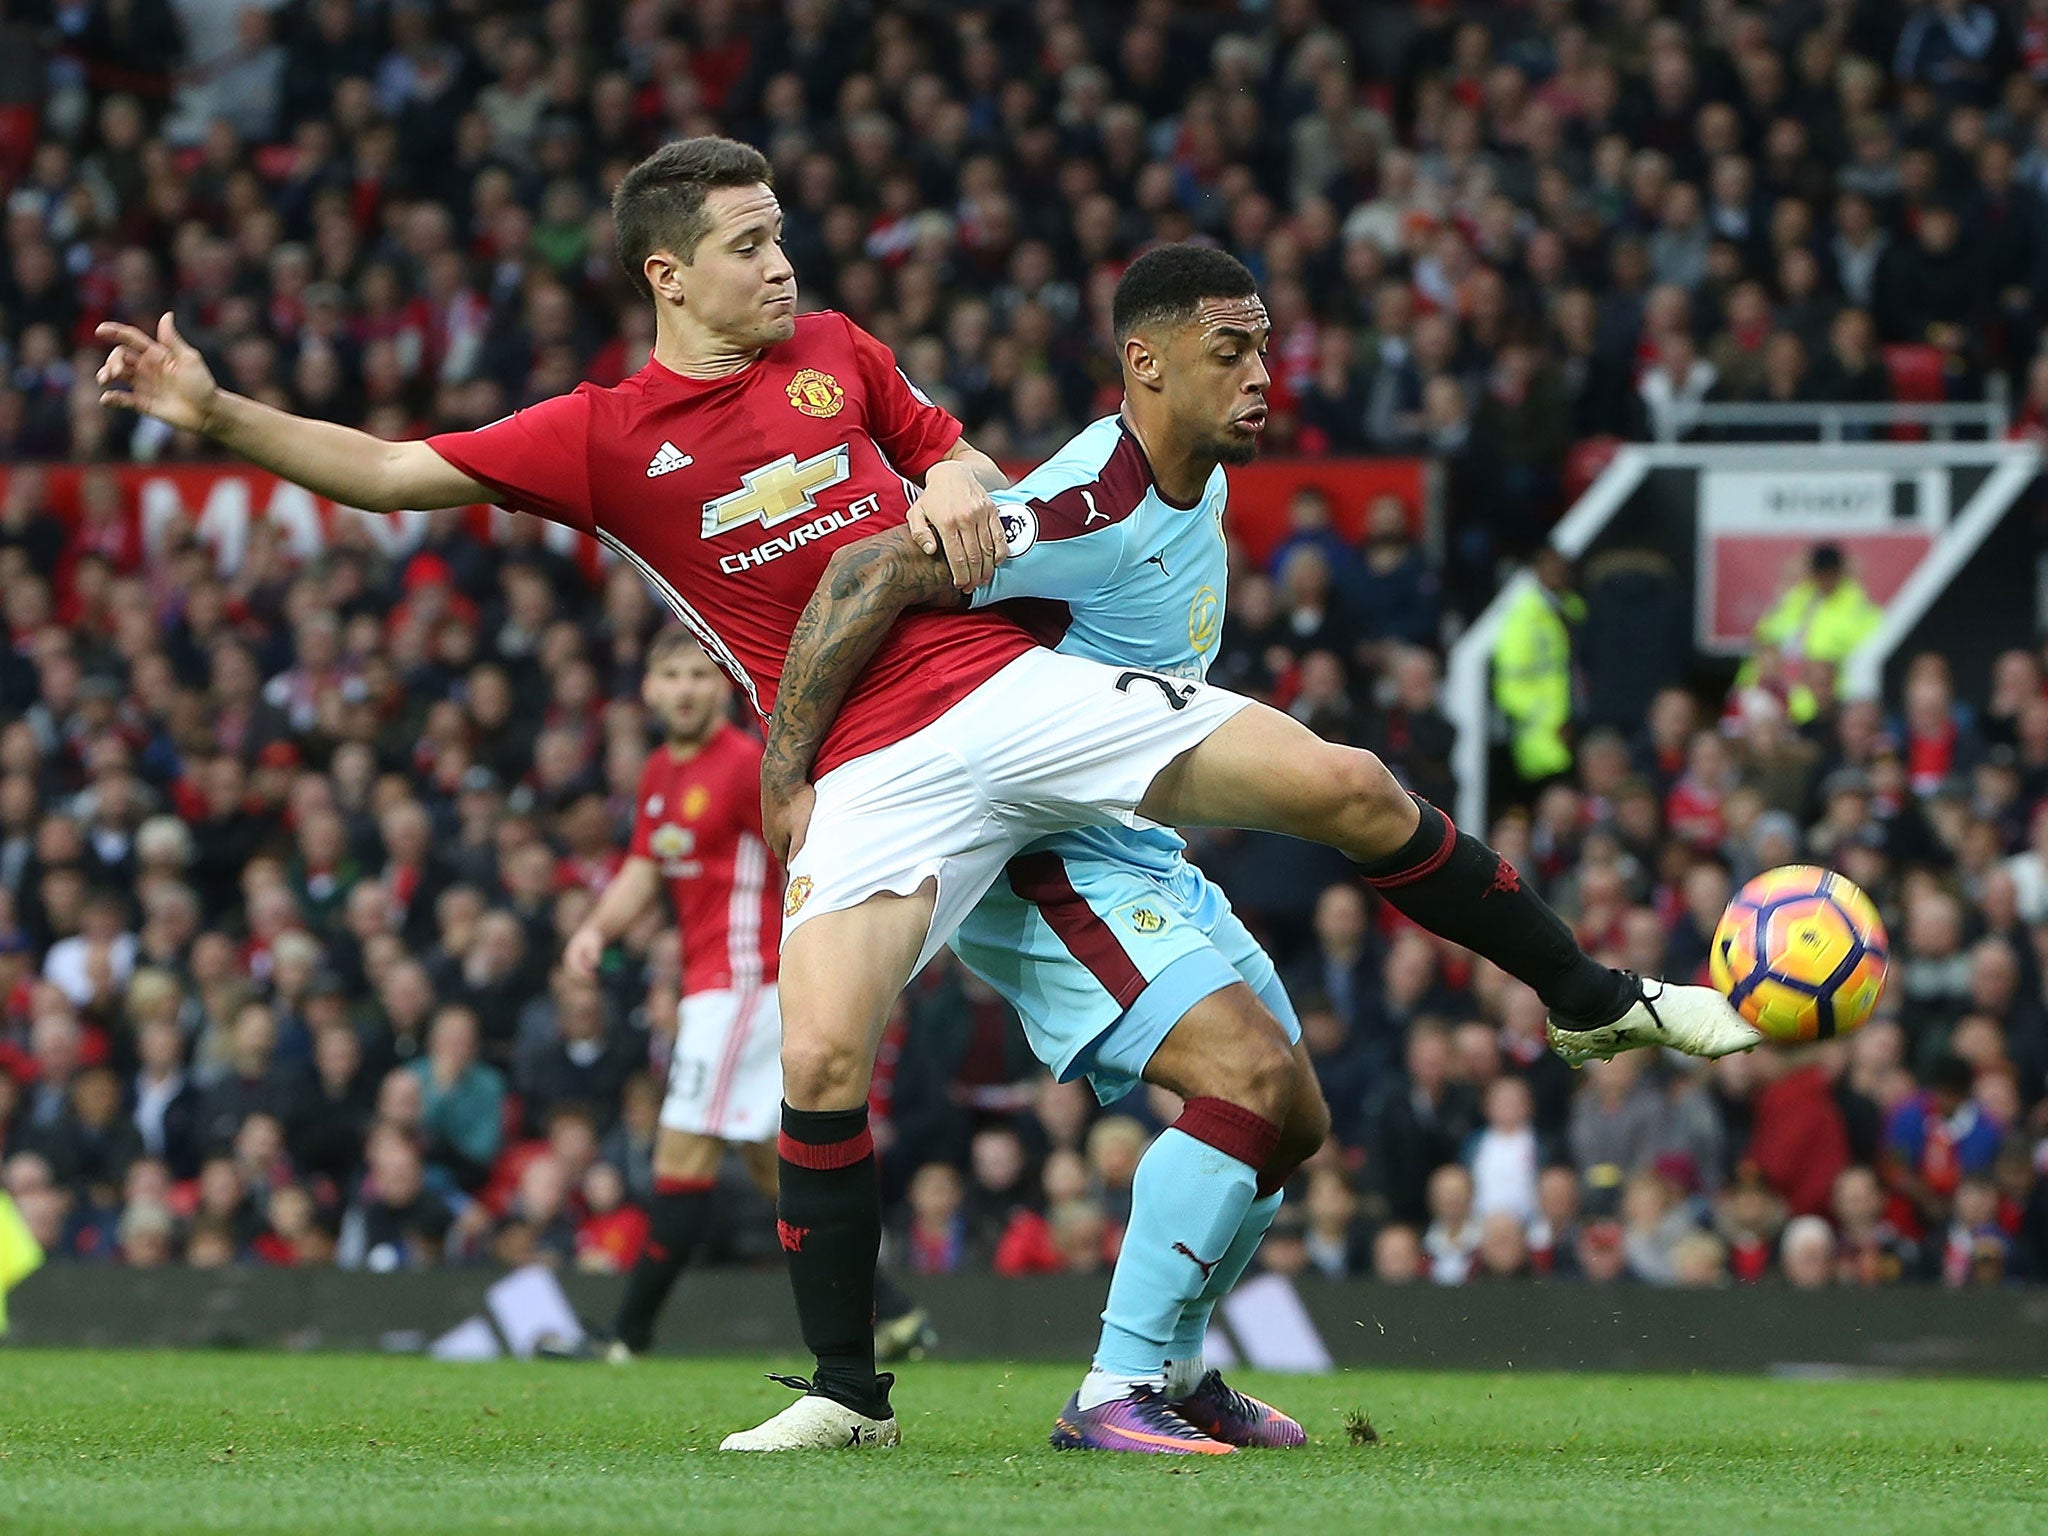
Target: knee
1376 809
819 1072
1263 1081
1302 1134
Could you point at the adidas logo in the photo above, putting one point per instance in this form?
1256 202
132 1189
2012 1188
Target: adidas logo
667 460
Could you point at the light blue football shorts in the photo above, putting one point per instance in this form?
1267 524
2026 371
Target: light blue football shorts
1101 958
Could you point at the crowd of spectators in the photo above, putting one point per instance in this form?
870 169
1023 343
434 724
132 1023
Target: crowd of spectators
288 847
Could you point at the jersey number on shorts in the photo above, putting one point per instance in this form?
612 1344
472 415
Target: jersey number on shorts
1177 694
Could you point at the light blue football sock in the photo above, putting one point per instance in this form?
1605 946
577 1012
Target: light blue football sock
1185 1351
1188 1205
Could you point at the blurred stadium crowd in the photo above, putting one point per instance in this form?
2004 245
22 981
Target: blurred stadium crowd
287 852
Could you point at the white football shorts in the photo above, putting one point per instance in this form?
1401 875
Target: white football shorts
725 1074
1049 743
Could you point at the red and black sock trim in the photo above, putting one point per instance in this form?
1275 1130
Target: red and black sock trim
827 1156
1428 849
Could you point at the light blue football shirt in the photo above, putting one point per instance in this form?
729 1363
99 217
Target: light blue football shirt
1143 581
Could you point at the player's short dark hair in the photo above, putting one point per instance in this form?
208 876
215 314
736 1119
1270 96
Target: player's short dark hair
674 640
1168 284
659 204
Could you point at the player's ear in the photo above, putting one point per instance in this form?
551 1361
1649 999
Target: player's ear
1140 361
664 275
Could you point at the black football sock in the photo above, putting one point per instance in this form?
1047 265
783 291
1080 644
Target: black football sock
1458 888
829 1218
677 1221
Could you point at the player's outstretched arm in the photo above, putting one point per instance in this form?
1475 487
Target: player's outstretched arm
865 586
164 376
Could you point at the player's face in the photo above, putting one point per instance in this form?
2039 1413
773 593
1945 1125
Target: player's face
687 694
1216 378
739 285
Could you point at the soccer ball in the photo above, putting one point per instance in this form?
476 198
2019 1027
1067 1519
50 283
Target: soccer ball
1801 953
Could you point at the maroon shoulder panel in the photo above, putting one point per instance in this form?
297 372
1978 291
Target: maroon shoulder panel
1108 499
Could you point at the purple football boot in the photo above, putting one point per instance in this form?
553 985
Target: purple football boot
1225 1414
1141 1422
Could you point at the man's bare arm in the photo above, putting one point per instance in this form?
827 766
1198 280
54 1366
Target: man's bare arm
164 376
631 891
340 463
865 586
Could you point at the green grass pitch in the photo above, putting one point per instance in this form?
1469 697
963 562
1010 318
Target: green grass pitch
110 1443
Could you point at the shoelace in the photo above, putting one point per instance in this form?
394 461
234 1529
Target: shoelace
1649 1000
1160 1411
883 1382
1230 1399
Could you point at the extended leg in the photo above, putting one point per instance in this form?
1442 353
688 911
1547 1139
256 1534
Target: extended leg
1265 770
840 972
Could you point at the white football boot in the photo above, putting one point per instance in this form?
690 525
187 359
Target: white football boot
814 1423
1696 1020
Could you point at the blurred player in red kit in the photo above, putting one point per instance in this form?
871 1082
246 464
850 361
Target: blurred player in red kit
697 830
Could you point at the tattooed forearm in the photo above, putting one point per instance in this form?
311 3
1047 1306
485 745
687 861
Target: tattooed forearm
865 586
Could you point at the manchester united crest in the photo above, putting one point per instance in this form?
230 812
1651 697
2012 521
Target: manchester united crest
694 801
799 893
816 394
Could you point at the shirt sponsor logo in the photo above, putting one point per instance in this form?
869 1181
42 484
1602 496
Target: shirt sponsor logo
816 394
777 491
673 847
670 841
1202 614
797 537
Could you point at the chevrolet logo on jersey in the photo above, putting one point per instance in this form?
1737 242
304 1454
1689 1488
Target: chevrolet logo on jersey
671 842
776 492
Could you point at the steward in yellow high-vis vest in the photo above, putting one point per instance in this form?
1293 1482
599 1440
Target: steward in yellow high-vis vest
20 1254
1532 668
1823 618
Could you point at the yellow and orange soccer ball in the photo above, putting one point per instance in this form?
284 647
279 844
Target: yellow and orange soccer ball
1801 953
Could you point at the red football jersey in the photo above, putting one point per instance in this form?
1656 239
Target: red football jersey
699 820
730 495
